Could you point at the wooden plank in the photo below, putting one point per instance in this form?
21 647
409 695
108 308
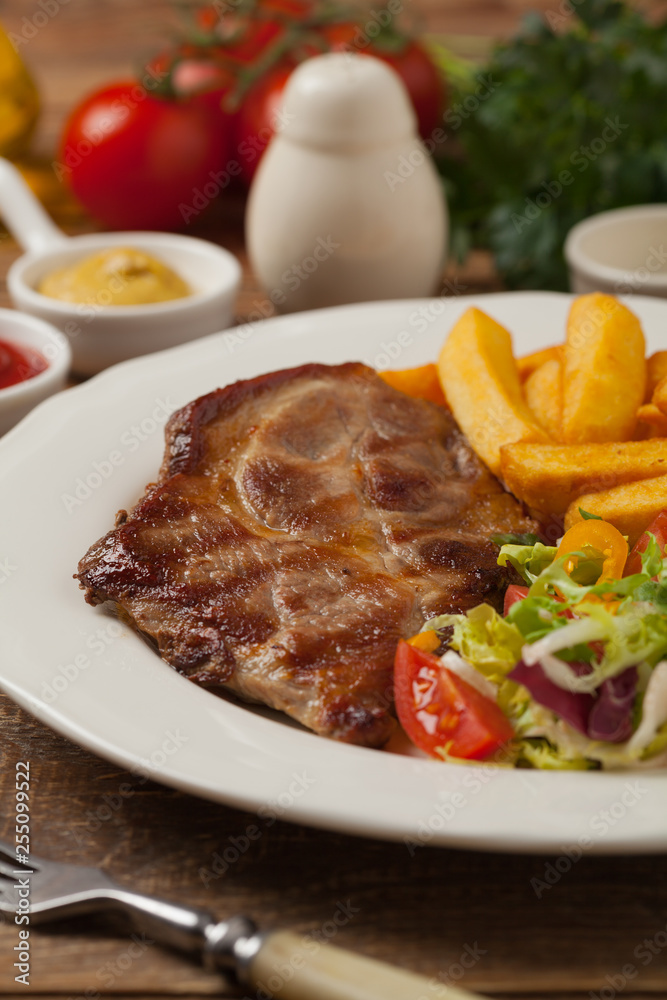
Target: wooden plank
424 911
421 910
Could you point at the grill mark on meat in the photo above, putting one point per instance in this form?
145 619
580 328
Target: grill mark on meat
284 495
302 523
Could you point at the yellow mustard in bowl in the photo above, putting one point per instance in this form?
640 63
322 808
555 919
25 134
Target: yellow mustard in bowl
120 276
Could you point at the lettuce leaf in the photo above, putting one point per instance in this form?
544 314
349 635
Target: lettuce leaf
483 638
528 560
657 745
540 753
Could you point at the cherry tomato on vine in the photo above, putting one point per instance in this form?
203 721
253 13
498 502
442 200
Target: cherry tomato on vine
259 118
412 63
423 81
134 159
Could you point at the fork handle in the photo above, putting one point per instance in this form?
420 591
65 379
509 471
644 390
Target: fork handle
175 925
298 967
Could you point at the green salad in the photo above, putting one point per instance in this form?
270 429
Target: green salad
576 664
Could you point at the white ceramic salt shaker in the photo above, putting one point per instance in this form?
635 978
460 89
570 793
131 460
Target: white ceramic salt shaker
346 205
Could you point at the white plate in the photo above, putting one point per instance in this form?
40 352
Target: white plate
77 459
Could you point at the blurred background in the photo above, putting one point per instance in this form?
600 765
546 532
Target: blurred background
563 68
93 41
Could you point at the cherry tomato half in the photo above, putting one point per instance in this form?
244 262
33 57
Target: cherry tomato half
658 527
598 535
438 709
515 592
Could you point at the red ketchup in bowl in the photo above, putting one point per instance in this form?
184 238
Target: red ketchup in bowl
17 364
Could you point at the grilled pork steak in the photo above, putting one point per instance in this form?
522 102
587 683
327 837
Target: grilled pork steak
302 523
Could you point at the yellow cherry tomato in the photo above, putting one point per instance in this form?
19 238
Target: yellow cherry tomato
428 641
598 535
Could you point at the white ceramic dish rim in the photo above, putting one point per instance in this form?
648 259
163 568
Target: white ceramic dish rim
580 261
56 367
229 278
231 754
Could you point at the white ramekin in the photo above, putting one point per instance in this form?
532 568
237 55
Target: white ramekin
623 252
28 331
103 334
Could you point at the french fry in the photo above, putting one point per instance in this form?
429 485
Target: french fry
656 369
629 507
550 477
479 377
422 383
659 397
650 416
604 371
529 363
543 393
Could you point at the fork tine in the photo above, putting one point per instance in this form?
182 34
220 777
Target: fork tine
8 901
8 855
9 871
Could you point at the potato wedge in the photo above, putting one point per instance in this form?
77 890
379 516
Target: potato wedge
656 369
604 371
422 383
630 507
543 393
659 397
650 417
479 377
529 363
550 477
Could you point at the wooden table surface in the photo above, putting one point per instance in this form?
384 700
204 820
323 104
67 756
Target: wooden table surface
422 911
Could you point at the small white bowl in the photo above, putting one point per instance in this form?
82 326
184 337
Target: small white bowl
623 252
102 334
28 331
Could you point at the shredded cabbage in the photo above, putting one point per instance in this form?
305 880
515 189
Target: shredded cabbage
483 638
570 618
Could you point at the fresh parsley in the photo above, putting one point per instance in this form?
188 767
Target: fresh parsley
569 119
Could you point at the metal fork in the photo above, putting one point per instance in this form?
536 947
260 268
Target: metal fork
281 963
